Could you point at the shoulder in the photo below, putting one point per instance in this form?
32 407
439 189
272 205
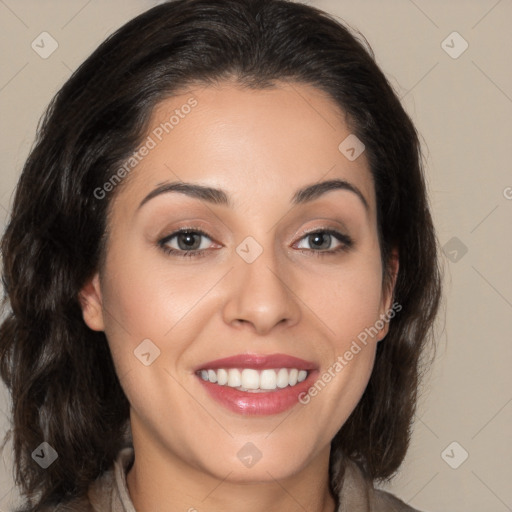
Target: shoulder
356 493
76 505
386 502
108 493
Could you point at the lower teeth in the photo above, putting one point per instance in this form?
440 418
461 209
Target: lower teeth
240 388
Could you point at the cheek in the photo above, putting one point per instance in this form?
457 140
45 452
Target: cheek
147 300
348 301
358 302
165 304
348 298
349 306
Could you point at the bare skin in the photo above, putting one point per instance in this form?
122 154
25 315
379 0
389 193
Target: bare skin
259 147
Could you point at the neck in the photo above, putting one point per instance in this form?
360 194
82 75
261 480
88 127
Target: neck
159 480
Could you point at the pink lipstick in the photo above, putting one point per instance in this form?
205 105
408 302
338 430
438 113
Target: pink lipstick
257 384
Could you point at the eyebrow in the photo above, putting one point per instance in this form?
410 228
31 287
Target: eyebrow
220 197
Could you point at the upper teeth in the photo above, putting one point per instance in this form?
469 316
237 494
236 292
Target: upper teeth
250 379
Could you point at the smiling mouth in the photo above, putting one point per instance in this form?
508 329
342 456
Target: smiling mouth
254 381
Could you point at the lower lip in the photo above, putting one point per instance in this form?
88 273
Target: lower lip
261 403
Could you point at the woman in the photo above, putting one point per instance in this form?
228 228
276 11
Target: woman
221 270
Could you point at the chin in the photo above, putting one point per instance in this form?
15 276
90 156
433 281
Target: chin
253 465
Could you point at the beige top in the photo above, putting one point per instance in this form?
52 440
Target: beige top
110 493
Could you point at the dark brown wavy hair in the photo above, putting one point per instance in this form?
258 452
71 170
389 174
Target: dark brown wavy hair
60 374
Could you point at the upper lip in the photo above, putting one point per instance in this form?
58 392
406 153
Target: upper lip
258 361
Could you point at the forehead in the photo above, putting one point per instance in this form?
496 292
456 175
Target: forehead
249 142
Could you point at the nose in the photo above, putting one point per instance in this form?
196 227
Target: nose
261 295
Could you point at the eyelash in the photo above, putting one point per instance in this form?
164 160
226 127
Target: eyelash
346 241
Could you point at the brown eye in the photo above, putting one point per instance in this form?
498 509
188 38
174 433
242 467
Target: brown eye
186 242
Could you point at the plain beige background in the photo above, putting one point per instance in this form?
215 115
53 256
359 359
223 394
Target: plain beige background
462 106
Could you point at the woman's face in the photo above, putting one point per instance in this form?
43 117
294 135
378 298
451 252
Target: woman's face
280 280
